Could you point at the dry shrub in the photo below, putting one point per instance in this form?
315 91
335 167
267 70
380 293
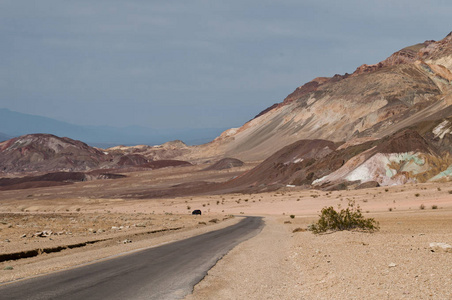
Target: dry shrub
350 218
298 229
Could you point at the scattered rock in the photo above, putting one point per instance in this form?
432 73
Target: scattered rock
367 185
440 247
126 241
7 241
392 265
45 233
140 225
23 235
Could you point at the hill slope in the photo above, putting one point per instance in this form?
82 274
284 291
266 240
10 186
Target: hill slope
412 85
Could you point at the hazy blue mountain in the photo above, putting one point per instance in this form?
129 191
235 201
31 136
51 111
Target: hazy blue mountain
16 124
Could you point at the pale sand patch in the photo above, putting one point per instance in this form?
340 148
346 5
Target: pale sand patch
259 268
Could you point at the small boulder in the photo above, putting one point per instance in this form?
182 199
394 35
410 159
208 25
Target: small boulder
440 247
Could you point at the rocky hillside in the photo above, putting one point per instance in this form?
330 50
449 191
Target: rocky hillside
418 154
412 85
45 152
48 153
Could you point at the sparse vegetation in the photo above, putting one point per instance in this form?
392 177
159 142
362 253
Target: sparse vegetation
292 216
298 229
346 219
417 194
434 206
422 206
214 220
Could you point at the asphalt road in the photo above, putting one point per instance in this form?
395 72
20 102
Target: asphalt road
166 272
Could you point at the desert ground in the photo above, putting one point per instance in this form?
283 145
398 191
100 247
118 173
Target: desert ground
64 226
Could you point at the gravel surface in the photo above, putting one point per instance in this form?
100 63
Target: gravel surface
394 263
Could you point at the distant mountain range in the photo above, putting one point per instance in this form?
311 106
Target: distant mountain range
13 124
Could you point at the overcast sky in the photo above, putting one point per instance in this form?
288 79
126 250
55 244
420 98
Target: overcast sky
191 64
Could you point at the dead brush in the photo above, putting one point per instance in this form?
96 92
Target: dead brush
350 218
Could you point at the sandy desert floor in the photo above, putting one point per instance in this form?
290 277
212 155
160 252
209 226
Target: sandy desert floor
393 263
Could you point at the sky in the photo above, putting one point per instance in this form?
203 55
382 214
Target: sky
191 64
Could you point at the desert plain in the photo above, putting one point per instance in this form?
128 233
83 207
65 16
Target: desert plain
65 226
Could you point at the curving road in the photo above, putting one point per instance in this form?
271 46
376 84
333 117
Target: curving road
165 272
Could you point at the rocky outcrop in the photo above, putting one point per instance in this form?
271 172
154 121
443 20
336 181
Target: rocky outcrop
167 151
225 163
403 157
45 152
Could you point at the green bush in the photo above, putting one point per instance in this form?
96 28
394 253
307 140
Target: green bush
346 219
